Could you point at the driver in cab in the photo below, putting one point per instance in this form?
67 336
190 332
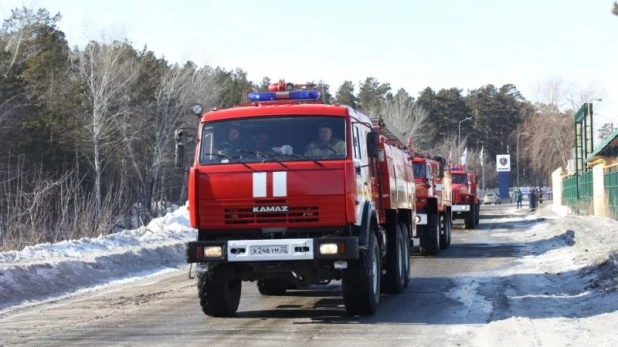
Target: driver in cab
326 145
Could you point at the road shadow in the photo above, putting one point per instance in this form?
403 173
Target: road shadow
502 216
481 250
495 223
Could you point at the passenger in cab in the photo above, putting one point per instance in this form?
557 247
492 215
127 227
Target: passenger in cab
325 145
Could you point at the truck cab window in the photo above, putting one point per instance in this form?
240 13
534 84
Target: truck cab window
419 170
356 144
460 179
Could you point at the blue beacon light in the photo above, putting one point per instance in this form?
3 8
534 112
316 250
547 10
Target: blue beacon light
291 95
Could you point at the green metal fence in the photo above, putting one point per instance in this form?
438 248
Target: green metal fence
586 196
585 202
569 192
611 191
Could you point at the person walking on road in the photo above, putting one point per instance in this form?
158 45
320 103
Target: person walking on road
518 197
533 199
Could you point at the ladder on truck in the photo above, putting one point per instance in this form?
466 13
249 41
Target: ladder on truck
389 131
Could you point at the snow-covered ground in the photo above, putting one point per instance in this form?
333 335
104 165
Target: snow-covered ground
50 270
563 290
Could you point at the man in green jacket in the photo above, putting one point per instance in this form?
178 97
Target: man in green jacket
326 145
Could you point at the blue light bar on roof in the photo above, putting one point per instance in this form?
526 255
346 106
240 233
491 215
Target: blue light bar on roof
292 95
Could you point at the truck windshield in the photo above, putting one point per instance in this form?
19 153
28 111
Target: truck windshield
419 170
280 139
460 179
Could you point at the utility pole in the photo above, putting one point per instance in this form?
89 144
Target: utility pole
517 154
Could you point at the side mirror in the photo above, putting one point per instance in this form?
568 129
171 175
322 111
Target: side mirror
197 109
179 153
373 140
441 167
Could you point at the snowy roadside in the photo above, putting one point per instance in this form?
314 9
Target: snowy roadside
562 289
49 270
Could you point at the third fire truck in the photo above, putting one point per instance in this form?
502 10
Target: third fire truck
465 196
433 202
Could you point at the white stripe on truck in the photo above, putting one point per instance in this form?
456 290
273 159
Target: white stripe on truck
259 184
280 183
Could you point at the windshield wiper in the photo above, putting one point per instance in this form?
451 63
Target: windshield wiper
219 154
267 156
305 157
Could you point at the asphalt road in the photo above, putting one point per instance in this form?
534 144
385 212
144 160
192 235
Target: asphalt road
442 305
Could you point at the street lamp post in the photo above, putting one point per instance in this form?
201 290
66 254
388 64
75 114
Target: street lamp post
459 138
518 135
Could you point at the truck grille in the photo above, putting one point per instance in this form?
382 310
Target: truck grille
301 214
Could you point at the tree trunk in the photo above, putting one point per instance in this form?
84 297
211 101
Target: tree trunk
97 171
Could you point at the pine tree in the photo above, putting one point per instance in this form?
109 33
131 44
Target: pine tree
345 94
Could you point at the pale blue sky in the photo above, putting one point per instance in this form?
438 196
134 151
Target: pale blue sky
411 44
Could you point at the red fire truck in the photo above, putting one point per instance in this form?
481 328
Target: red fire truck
433 202
465 196
289 192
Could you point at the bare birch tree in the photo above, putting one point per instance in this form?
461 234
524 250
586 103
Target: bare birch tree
549 139
177 89
407 116
106 72
550 125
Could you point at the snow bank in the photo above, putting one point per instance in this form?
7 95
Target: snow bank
46 270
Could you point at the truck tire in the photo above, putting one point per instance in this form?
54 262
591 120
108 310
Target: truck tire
219 295
477 212
361 281
272 286
470 218
445 236
405 232
393 280
430 242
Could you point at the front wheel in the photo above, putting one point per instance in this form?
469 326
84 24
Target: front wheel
445 236
361 281
405 232
470 218
430 240
219 294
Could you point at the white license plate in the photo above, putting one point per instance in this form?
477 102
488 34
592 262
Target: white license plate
266 250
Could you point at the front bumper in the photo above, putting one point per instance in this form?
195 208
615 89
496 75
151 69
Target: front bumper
421 218
272 250
460 208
